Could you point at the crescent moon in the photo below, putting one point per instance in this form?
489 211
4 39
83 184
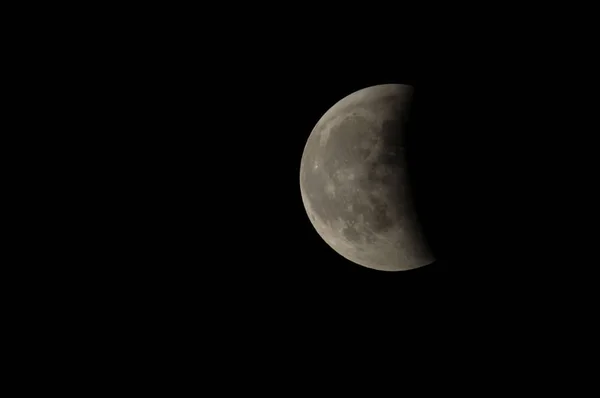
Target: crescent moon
354 183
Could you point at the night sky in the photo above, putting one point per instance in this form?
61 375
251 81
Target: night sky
203 257
253 233
240 241
288 259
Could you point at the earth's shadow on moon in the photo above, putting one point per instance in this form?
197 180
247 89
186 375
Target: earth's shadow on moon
422 166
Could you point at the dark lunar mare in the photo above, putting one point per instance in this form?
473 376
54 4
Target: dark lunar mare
354 183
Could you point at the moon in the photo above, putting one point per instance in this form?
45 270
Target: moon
354 182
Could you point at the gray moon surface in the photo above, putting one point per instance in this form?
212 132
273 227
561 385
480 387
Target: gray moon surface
354 182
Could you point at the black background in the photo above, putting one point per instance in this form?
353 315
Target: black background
229 236
202 256
232 185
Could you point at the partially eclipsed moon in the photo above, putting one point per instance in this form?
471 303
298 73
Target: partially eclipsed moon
354 183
